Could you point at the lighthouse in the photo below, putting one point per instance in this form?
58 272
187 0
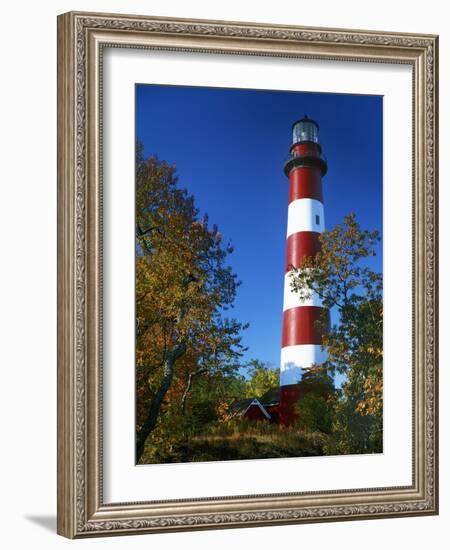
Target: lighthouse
302 330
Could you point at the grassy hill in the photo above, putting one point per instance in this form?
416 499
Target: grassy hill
239 440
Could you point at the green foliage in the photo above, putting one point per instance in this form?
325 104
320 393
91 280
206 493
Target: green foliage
353 432
315 409
261 378
315 413
340 276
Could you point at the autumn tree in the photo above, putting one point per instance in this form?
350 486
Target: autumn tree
340 275
183 290
261 378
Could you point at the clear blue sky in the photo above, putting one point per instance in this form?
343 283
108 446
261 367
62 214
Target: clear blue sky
229 146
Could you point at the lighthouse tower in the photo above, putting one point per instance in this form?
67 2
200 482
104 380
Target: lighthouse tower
301 335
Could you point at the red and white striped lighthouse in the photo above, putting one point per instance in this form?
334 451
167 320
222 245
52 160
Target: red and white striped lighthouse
301 335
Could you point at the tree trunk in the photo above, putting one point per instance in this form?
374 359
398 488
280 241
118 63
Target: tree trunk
155 407
185 394
188 389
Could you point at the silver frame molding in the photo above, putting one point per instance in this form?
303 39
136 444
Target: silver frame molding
81 39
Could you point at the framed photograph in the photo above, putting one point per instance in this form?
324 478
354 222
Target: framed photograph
247 287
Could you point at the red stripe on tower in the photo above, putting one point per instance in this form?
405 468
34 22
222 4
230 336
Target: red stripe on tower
304 321
299 245
304 325
305 183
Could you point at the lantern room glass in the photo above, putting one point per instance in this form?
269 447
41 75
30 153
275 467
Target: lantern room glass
305 130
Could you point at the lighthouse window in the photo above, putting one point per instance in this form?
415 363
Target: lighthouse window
317 220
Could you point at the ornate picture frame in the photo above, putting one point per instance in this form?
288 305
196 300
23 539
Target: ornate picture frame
82 39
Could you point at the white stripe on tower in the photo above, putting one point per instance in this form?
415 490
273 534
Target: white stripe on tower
300 357
292 299
305 215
